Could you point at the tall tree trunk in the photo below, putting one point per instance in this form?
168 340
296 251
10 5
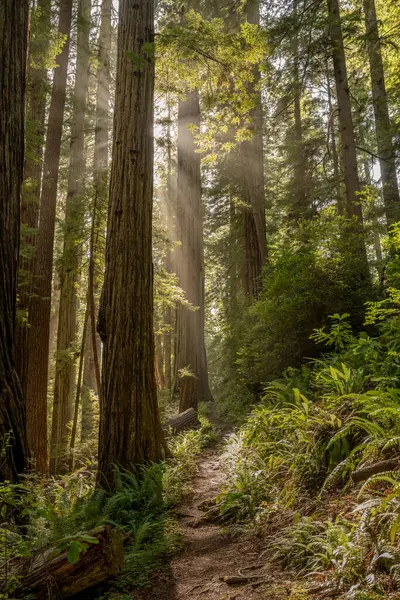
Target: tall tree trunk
300 203
190 342
375 223
40 304
100 181
67 351
333 146
13 54
351 178
252 156
130 427
383 129
355 233
89 384
169 261
36 103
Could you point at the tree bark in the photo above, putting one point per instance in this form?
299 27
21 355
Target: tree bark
130 427
78 388
252 157
67 351
190 342
100 181
30 201
49 574
169 260
355 231
89 384
333 147
383 128
13 55
40 305
299 206
351 178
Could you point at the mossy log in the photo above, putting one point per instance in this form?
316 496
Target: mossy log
49 575
186 420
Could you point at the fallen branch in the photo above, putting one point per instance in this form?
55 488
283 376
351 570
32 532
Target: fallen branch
379 467
243 579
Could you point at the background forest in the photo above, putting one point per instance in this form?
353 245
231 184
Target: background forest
199 216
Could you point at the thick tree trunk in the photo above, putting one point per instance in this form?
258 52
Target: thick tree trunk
383 128
40 305
190 342
36 103
130 427
13 53
252 157
71 259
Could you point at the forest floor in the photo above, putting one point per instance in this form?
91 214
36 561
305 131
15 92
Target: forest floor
212 553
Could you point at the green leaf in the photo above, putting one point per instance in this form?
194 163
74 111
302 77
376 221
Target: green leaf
74 552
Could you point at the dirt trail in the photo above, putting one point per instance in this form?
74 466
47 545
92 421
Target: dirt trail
211 553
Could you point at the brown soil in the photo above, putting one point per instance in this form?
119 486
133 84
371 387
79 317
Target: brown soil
212 553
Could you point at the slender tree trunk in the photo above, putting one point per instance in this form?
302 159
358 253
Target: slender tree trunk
190 347
13 55
100 180
130 427
333 147
375 223
351 178
252 156
89 385
167 347
300 202
169 261
78 389
383 128
36 102
355 239
40 304
71 259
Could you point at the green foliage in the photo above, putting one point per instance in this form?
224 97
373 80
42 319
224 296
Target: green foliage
312 429
62 512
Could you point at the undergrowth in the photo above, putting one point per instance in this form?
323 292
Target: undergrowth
61 512
289 467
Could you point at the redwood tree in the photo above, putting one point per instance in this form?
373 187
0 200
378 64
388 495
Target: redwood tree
190 344
348 145
13 54
71 259
130 427
40 304
253 185
387 158
36 108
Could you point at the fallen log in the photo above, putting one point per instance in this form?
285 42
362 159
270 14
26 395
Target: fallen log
379 467
186 420
49 575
